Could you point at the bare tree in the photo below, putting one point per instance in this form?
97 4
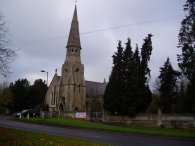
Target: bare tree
156 86
3 85
7 54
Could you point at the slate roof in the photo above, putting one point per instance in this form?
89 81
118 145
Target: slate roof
95 88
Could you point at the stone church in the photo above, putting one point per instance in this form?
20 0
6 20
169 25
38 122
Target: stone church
70 93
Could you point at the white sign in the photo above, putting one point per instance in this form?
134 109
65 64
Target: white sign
81 115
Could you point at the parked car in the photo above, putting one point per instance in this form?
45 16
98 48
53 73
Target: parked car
31 112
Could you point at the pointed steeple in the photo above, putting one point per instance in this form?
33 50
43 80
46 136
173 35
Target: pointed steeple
74 36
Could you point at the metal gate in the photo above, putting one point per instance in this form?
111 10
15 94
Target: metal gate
96 116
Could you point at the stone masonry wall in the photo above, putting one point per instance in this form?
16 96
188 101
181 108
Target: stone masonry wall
154 120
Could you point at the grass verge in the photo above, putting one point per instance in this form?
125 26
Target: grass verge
164 132
10 137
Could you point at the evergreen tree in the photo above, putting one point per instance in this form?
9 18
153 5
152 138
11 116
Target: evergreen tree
190 96
181 100
127 92
168 77
138 95
136 63
129 104
187 41
132 92
146 52
144 93
114 92
37 93
187 58
128 61
20 90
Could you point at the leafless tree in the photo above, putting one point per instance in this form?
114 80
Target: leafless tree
7 54
156 86
3 85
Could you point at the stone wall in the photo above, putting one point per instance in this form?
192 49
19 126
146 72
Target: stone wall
154 120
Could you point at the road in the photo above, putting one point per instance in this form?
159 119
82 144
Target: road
116 139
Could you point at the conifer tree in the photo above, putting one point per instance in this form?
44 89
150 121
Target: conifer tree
190 104
187 41
146 52
181 99
37 93
145 95
136 62
132 92
128 61
114 92
168 77
187 58
127 92
20 90
129 106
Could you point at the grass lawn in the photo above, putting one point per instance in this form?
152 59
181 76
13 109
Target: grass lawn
9 137
165 132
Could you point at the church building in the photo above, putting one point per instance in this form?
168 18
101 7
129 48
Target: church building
70 95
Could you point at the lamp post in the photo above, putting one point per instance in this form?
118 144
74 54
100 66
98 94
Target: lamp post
47 75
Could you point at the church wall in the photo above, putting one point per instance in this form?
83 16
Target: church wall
70 90
51 97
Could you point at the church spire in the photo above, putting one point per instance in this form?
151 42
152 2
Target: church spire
74 36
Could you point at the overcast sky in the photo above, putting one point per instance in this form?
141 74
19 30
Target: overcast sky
39 29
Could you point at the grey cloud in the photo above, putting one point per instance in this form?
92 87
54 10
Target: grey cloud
34 20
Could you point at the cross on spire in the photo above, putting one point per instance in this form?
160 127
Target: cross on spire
75 2
74 37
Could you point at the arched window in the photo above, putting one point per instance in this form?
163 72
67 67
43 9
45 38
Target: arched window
52 98
79 87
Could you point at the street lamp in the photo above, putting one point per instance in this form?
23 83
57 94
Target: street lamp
47 75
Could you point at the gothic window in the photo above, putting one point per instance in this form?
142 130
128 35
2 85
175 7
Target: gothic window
79 87
52 98
77 70
98 106
72 50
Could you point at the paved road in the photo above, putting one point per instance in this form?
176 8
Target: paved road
104 137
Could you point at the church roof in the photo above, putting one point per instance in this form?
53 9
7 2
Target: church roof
92 88
74 37
95 88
